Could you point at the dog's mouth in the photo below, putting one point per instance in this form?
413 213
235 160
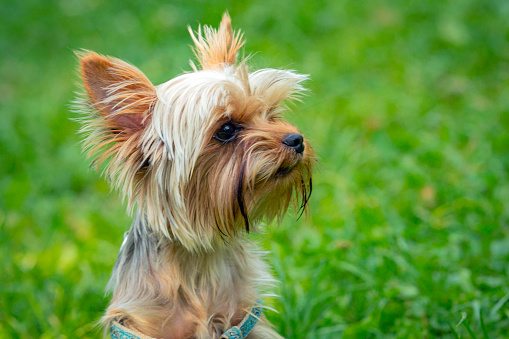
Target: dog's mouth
284 171
288 166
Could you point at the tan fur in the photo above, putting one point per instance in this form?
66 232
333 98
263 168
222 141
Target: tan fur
185 269
217 47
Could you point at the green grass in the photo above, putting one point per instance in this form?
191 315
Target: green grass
408 232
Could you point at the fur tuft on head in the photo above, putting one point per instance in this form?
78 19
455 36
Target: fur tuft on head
217 48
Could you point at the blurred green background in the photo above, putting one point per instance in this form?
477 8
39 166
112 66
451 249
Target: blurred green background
408 112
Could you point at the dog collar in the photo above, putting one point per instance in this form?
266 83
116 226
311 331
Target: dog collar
119 331
246 325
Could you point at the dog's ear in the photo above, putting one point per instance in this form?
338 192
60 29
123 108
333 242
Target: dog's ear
275 86
119 92
217 48
115 109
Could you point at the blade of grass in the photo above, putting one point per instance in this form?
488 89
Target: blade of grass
498 306
463 317
465 323
453 330
483 327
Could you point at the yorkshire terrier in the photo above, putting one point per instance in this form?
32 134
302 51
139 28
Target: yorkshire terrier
201 159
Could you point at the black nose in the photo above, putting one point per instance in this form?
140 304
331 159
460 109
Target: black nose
295 141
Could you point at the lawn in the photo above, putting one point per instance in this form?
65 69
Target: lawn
408 111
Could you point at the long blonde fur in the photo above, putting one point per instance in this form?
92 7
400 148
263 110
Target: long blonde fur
185 270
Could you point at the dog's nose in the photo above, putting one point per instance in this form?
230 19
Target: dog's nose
295 141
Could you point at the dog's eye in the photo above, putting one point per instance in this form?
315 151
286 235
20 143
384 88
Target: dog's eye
227 132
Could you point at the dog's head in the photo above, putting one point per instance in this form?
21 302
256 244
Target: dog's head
206 154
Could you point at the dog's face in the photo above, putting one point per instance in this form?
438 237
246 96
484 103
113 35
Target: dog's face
206 154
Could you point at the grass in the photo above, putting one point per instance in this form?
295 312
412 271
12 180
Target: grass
408 230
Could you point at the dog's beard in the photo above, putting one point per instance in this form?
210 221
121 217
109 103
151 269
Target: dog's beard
254 177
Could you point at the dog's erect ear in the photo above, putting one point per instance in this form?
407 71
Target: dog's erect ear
120 92
216 48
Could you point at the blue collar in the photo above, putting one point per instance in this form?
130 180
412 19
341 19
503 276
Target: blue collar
118 331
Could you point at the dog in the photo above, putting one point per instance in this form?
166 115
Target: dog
201 160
